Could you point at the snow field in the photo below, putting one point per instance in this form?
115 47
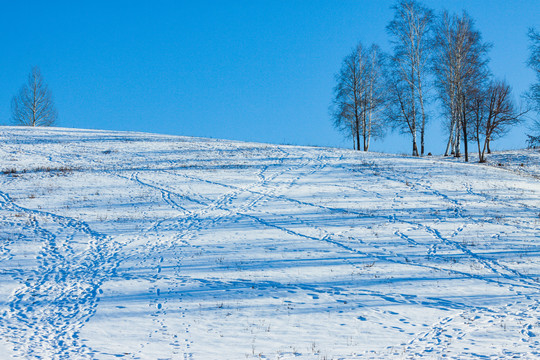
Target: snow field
138 246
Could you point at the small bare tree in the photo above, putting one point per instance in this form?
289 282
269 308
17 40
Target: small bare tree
34 105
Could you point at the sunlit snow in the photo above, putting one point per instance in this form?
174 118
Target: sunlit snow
137 246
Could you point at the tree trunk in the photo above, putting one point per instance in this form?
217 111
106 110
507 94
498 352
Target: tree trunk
449 145
357 135
413 104
465 143
364 129
422 138
423 126
479 150
477 131
369 130
457 150
415 147
459 125
464 125
483 156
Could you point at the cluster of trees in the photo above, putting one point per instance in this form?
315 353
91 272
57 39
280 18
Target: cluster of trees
440 56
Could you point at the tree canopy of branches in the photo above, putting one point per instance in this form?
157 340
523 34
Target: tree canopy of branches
460 68
33 105
533 140
534 63
493 113
358 96
534 93
409 30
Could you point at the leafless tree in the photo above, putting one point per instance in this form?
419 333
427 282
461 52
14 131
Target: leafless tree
359 96
34 105
400 110
374 98
534 93
460 68
533 139
346 104
410 30
494 112
534 63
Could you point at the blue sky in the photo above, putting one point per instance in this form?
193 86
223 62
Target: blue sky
248 70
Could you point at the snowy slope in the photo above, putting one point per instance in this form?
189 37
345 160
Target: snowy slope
136 246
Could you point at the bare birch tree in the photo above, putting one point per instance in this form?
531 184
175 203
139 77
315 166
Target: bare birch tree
359 96
346 104
374 96
460 67
34 105
410 30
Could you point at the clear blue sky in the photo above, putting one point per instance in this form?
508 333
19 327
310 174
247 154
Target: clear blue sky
249 70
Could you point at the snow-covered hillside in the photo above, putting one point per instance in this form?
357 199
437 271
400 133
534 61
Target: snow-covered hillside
136 246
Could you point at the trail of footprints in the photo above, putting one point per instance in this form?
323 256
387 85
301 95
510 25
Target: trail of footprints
188 223
72 276
53 302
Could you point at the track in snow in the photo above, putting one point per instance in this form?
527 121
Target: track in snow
201 249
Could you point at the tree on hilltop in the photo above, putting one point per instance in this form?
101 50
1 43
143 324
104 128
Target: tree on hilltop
33 105
410 31
359 96
461 74
534 93
493 114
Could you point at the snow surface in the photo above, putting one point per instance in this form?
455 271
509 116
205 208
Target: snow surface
137 246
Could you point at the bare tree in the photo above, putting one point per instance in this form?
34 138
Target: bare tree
401 111
494 113
478 117
534 93
359 96
534 63
460 68
33 106
533 139
410 30
374 98
347 93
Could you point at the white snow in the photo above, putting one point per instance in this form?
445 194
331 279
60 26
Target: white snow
139 246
